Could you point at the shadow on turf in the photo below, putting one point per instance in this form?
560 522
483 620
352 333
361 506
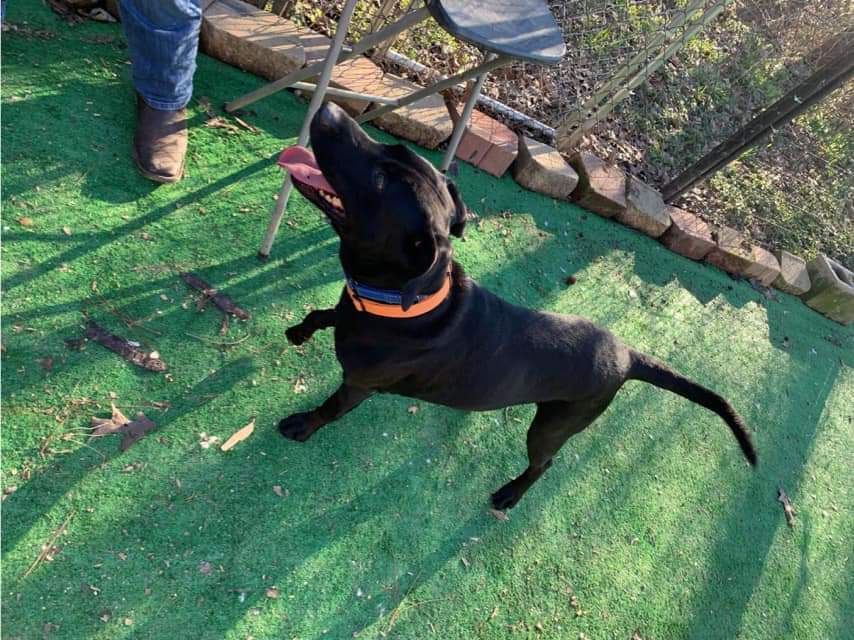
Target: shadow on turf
383 500
775 465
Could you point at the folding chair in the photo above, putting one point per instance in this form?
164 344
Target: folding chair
505 30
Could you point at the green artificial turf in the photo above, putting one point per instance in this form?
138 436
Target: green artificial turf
650 522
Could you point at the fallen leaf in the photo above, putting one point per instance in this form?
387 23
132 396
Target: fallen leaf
105 615
205 568
499 515
46 363
413 409
300 386
66 230
465 562
282 493
25 221
206 441
239 436
133 430
272 592
106 426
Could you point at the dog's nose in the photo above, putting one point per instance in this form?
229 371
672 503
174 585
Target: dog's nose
329 116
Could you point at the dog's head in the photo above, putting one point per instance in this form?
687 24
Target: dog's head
392 210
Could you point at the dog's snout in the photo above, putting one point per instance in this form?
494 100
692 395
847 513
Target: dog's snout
329 116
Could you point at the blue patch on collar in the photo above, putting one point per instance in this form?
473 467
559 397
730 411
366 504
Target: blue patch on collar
385 296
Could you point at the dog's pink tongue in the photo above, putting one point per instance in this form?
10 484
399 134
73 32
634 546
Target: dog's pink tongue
302 166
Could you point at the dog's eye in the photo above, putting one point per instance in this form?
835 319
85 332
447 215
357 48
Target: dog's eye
379 180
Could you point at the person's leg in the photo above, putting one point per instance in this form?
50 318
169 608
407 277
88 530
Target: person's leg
163 39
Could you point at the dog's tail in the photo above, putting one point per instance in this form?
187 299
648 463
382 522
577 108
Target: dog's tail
647 369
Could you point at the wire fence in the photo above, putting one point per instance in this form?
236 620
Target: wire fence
654 85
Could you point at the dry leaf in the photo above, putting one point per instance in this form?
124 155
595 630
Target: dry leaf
239 436
205 568
205 441
499 515
465 562
133 430
46 363
282 493
25 221
66 230
272 592
105 426
413 409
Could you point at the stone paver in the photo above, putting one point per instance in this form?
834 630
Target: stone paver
601 186
832 290
793 277
541 168
645 210
731 253
251 39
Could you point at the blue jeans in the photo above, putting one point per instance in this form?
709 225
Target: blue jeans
163 38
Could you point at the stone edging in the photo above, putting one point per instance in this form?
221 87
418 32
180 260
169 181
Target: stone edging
261 43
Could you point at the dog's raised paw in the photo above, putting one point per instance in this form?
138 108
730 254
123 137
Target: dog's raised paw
296 336
505 498
296 427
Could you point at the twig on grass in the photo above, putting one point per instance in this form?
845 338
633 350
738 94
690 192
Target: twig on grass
219 343
222 301
119 345
46 549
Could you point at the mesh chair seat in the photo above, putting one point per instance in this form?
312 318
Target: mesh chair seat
521 29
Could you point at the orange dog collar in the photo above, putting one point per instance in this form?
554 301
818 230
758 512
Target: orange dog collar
394 310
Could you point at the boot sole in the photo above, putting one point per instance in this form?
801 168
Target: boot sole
156 177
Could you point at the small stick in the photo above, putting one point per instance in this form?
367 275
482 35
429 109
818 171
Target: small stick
783 499
219 343
123 348
46 549
222 301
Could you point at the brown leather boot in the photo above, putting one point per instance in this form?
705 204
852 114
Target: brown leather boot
160 142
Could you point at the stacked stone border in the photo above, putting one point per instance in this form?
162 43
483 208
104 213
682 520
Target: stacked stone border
263 44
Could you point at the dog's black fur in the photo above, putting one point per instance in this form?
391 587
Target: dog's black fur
475 351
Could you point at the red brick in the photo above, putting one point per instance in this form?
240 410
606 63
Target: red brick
688 235
486 143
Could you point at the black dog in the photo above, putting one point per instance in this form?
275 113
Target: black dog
410 322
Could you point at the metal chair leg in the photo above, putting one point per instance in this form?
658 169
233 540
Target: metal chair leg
463 122
314 105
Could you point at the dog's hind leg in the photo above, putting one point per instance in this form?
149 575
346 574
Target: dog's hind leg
553 424
314 321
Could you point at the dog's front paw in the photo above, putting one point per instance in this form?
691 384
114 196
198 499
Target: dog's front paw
296 335
296 427
506 497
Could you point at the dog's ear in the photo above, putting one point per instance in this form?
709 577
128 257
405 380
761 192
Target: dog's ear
458 222
415 286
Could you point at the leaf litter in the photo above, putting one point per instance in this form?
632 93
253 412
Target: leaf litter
239 436
133 430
